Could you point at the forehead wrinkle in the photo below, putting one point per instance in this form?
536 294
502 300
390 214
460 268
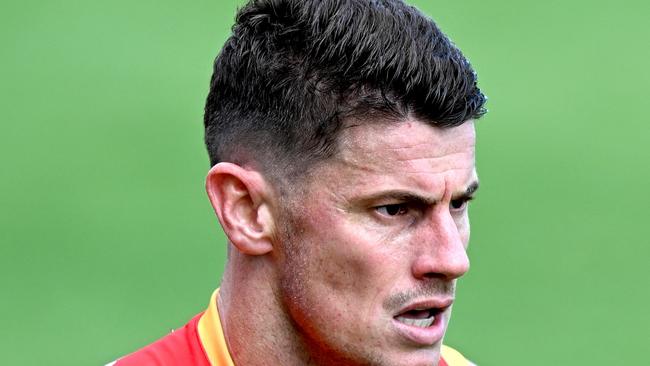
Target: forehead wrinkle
403 154
439 157
384 142
438 166
422 183
356 165
431 165
441 171
419 151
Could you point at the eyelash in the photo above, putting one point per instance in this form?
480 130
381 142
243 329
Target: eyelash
399 209
402 208
463 201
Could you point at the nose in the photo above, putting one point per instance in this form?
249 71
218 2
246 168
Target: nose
441 252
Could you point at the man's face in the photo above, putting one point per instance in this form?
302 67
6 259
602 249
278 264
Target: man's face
372 248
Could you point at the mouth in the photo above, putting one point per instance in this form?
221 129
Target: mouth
421 318
423 323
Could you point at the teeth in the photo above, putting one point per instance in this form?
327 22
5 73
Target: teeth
422 323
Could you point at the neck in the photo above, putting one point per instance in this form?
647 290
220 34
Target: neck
254 320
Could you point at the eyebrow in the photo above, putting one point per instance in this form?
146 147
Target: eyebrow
469 192
407 196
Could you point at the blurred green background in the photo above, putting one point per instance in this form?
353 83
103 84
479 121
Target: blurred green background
107 240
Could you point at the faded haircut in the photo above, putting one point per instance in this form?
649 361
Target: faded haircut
294 71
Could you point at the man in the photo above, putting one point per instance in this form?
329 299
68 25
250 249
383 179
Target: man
341 139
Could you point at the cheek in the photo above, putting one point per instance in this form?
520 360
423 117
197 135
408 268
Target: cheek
462 224
336 281
346 261
464 236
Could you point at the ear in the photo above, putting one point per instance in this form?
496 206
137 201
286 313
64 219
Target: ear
241 199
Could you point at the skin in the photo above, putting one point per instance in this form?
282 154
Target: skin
320 278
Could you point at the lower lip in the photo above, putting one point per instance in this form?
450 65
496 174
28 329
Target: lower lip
423 336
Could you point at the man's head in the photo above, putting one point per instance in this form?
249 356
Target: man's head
342 139
295 72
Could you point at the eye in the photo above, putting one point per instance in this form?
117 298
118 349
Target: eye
392 210
459 204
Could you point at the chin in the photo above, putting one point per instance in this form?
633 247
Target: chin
414 358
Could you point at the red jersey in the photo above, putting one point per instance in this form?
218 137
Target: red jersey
201 342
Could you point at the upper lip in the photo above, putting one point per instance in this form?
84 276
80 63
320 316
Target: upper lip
439 305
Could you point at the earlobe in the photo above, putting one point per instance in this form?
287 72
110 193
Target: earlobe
241 199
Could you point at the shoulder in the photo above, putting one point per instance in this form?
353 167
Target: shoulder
454 358
179 348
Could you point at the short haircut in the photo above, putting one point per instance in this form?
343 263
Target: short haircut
294 71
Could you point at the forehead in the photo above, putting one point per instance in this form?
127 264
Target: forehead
406 139
407 154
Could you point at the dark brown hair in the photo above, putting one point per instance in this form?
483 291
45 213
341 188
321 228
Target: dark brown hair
293 71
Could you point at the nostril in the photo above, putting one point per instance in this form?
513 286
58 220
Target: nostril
445 264
432 275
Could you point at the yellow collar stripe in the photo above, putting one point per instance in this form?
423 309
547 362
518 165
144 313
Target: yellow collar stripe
212 336
453 357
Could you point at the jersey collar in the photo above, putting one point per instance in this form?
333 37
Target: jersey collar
211 335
